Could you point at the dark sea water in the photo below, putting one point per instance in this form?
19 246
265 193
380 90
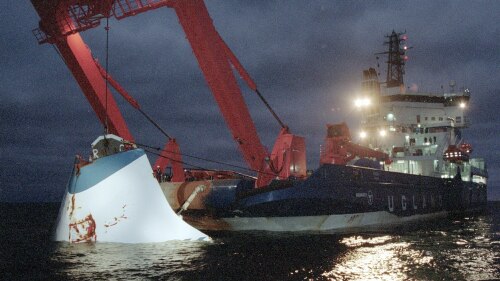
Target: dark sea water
461 248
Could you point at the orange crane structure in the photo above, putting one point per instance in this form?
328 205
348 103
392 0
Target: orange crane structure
339 149
61 21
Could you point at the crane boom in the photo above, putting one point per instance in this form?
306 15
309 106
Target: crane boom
339 149
59 26
211 53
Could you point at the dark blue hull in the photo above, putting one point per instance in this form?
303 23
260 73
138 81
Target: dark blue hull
338 189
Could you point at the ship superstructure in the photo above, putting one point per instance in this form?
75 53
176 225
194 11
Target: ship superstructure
421 131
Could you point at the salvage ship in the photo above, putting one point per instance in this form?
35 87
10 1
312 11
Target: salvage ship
411 163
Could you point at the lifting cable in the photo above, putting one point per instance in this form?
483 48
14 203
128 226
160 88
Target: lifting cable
276 171
199 158
106 78
246 77
165 133
128 98
270 109
154 123
195 166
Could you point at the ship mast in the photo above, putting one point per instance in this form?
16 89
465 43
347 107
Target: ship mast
396 59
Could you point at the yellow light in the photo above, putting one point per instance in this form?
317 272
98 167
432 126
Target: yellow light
362 134
362 102
462 105
382 133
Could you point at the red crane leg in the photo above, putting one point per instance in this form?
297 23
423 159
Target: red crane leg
236 63
211 54
79 60
57 20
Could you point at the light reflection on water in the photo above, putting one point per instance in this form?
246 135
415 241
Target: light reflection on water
465 249
476 253
468 249
377 258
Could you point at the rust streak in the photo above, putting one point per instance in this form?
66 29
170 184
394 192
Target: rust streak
117 219
72 206
84 230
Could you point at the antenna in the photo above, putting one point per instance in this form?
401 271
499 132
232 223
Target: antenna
396 58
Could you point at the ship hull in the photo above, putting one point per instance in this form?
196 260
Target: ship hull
335 198
117 199
321 224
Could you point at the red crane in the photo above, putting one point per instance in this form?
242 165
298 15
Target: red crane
60 24
339 149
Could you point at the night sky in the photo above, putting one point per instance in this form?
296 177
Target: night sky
305 56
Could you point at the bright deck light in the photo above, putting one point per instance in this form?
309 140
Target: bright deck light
362 102
362 134
382 133
462 105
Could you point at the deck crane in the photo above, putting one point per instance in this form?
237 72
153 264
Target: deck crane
339 149
62 20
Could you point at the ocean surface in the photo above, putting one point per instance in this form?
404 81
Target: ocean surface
459 248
